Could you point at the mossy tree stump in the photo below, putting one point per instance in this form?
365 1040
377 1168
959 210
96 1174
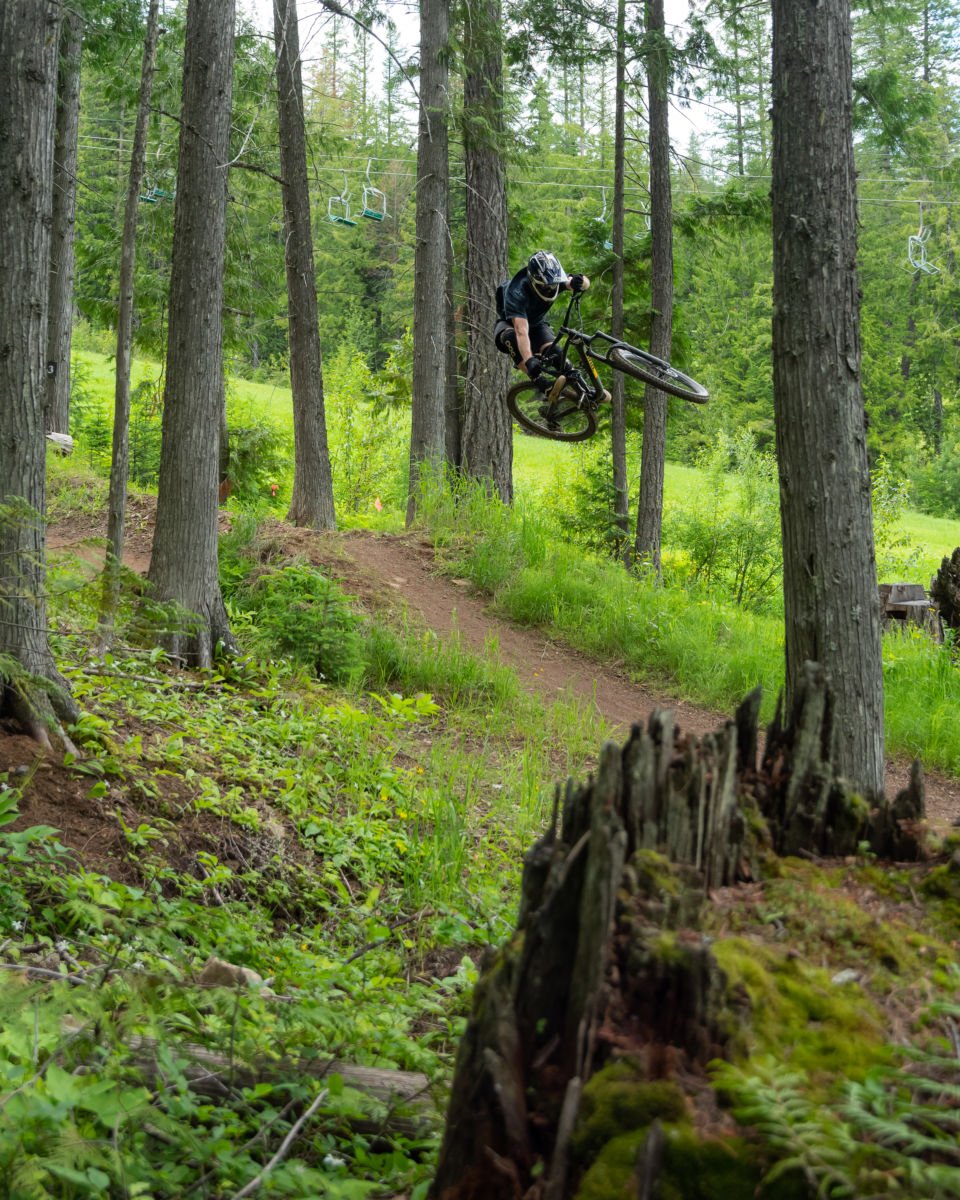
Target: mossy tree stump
607 929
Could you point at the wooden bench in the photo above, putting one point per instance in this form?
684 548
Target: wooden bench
909 604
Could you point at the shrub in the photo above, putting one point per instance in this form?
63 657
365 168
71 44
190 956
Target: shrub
304 616
258 456
366 456
586 511
935 487
146 421
895 556
91 422
731 532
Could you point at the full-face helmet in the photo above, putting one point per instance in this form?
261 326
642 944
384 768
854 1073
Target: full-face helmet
546 275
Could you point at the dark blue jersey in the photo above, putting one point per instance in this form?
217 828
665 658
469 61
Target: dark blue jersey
516 298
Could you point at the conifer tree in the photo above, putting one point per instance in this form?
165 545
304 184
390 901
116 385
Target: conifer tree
832 610
29 37
312 502
183 563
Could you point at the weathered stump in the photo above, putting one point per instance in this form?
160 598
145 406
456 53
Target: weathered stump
808 808
537 1008
590 953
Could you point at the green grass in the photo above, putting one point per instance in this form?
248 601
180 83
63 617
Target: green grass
694 647
934 537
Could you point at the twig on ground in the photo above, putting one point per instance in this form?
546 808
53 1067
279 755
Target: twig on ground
393 927
249 1188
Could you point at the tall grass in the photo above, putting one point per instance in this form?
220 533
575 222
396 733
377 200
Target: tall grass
688 644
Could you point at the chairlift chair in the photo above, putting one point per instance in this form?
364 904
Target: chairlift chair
338 207
917 250
374 201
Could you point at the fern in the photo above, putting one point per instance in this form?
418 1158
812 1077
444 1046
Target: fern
896 1132
777 1105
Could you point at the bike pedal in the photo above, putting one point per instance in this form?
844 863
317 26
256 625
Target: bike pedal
559 385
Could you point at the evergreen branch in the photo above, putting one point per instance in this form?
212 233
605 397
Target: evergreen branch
258 170
338 10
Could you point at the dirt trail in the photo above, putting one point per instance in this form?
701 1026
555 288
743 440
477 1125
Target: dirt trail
405 565
399 569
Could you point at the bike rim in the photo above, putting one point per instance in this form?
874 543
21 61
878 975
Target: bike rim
666 377
564 420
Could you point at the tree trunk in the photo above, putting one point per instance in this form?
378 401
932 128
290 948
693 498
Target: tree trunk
60 320
29 37
312 500
452 404
487 443
432 249
618 421
120 459
832 608
650 506
183 564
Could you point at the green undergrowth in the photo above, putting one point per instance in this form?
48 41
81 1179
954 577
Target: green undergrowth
840 1076
686 642
342 811
353 838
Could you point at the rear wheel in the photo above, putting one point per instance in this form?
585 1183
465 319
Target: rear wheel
563 420
660 374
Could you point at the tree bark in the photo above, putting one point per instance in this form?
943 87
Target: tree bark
618 422
432 249
183 564
452 403
312 502
832 608
650 505
487 443
29 36
60 320
120 459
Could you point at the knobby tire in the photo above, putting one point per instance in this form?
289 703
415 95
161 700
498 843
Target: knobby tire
563 421
665 377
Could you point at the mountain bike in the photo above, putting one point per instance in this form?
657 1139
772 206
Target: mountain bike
567 411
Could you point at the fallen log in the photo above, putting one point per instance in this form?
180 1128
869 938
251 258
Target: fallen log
409 1108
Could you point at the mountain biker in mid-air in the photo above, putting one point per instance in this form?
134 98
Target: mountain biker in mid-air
522 306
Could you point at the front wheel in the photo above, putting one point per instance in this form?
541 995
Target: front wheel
658 373
563 420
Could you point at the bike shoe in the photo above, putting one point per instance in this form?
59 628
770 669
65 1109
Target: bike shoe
559 384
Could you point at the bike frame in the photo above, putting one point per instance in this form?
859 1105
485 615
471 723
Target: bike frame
585 344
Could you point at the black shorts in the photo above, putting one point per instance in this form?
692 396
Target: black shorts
505 339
